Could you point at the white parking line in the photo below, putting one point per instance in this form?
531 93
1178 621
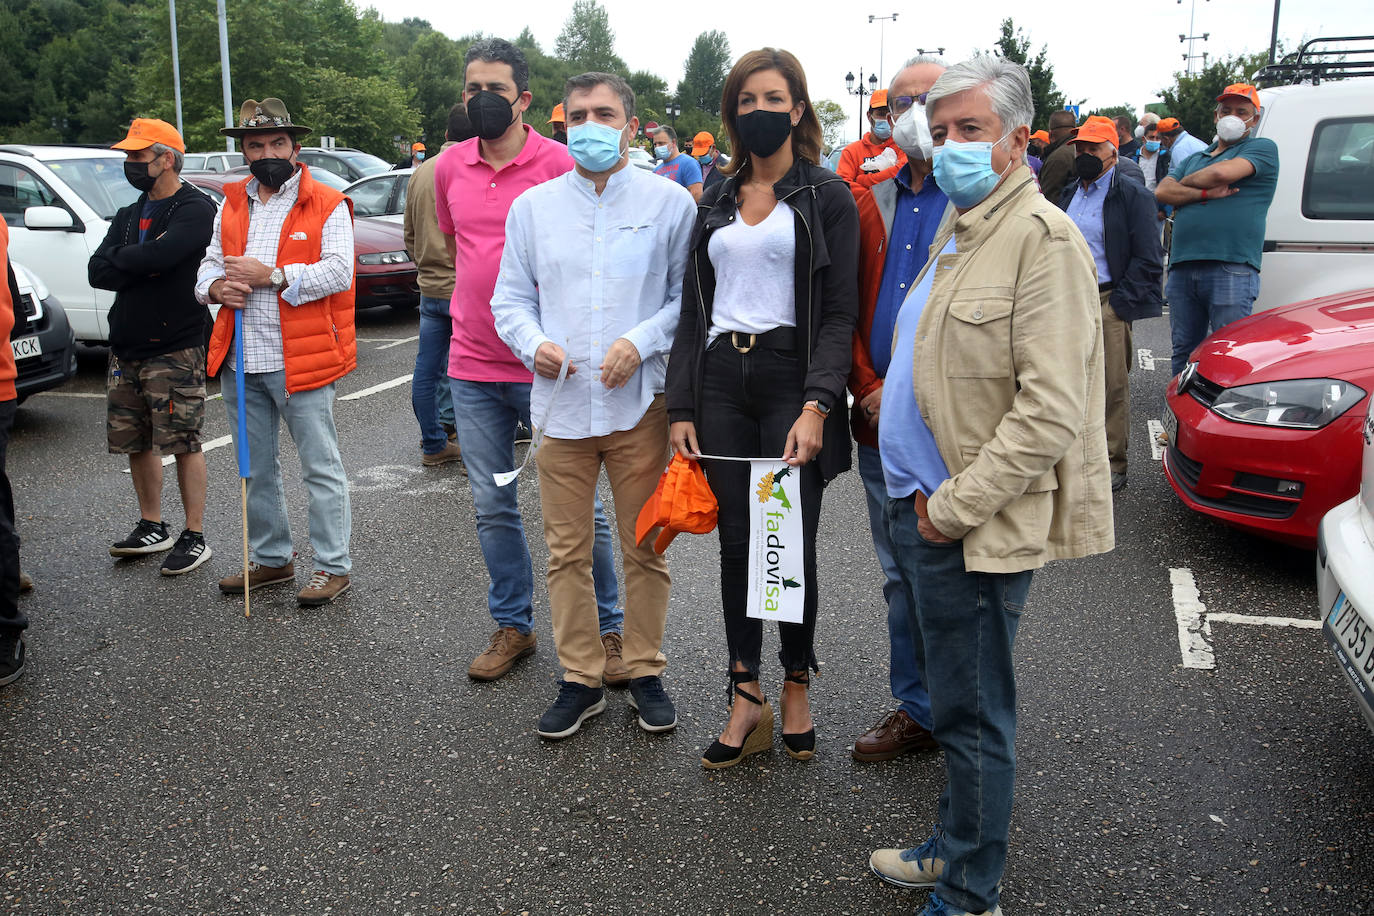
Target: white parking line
1153 430
1297 622
204 447
397 343
72 394
1146 359
1194 632
376 388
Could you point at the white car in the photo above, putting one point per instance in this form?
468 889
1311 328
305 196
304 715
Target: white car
382 196
1345 581
58 201
642 159
212 162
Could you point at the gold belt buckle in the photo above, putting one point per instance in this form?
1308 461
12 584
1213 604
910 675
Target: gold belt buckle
734 342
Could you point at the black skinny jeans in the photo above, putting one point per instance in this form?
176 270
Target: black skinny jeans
749 403
11 619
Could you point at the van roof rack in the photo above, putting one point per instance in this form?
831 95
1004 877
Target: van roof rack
1321 58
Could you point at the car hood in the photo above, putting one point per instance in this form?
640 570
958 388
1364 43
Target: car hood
1330 337
371 234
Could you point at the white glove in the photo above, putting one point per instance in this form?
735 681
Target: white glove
884 160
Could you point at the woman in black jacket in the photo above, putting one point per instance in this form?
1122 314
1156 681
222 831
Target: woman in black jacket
760 360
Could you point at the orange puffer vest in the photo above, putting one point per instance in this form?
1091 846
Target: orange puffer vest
319 345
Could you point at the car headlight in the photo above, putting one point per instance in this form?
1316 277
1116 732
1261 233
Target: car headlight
30 279
384 257
1305 403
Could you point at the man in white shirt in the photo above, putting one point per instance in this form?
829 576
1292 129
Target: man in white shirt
591 277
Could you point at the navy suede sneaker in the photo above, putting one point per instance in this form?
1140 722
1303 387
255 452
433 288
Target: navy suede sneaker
575 704
656 712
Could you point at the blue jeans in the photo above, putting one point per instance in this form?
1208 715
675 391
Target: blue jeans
965 627
430 395
903 670
1204 296
309 418
487 413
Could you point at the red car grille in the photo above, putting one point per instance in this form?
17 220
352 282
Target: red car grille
1188 472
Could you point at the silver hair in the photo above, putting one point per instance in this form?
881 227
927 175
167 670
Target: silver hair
918 59
178 160
1149 119
1006 84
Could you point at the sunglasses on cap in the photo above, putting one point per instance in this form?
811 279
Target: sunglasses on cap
898 104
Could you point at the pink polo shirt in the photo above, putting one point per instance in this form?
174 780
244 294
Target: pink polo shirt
472 201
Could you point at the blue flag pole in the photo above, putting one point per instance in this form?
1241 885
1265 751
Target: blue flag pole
241 446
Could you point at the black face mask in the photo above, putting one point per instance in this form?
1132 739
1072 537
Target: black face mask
764 132
1087 166
272 172
137 175
1036 149
490 114
561 136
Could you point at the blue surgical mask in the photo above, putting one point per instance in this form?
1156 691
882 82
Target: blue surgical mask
1151 146
661 152
964 171
707 159
882 130
419 157
595 147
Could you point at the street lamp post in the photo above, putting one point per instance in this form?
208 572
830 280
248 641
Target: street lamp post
938 52
882 24
860 91
674 109
1190 38
176 64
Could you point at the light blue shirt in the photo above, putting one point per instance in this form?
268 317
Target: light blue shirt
911 460
582 270
1085 209
1185 146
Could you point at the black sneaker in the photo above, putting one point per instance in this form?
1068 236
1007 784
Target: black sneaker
656 712
12 652
190 551
147 537
575 704
523 436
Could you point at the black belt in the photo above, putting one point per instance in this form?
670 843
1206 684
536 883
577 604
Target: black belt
776 339
1105 287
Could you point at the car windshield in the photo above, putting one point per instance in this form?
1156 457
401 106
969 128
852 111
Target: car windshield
100 182
367 163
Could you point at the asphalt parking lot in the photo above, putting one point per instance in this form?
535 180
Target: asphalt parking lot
165 754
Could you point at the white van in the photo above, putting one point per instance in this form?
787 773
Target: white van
1319 236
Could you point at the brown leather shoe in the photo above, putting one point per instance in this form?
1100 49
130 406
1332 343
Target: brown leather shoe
450 452
895 735
258 576
508 645
615 674
322 588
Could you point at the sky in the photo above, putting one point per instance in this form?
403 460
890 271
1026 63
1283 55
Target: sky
1122 55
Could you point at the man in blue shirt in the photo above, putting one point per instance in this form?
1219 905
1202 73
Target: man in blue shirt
588 297
1116 216
675 164
897 222
1221 197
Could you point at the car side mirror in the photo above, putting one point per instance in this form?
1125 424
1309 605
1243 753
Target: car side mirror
48 218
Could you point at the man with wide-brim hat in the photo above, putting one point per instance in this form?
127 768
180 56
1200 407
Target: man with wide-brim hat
282 253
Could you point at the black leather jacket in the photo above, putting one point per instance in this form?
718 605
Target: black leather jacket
827 297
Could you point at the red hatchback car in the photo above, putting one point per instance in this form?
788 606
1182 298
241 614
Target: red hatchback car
385 273
1263 424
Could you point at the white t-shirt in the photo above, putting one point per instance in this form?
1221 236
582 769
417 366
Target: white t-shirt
755 274
1148 161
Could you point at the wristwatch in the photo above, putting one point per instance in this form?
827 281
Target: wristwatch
816 405
278 278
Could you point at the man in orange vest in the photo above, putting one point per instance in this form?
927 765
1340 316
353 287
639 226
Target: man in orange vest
875 157
282 252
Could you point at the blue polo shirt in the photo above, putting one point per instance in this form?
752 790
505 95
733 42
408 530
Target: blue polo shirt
1229 229
682 168
1085 209
917 217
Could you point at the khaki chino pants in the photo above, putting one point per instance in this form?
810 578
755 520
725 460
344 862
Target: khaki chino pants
1116 357
568 470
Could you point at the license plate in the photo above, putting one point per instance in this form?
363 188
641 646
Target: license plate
26 347
1352 639
1170 424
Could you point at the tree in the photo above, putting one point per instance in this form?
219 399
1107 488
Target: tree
1193 98
433 72
1114 111
587 41
704 72
399 37
1014 45
833 119
368 112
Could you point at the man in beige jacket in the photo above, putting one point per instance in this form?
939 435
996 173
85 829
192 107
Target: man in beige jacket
994 456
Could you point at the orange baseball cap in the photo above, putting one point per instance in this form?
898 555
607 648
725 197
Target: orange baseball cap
1169 125
683 501
557 116
1041 135
144 132
1242 90
1096 129
416 147
702 142
878 99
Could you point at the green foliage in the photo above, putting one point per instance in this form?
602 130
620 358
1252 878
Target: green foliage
704 72
432 70
1114 111
363 111
832 119
651 94
587 42
1014 45
1192 99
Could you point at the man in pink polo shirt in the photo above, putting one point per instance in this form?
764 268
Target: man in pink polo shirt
475 183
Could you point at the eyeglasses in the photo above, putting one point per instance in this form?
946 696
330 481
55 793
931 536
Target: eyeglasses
899 104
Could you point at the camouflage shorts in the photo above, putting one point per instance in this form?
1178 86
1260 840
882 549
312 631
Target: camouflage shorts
157 402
